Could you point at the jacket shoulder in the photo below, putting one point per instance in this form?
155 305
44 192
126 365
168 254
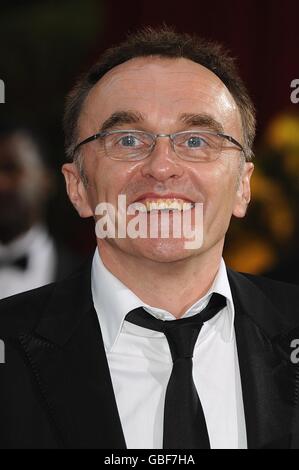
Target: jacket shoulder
272 286
283 295
22 313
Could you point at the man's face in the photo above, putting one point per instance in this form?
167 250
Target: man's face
161 91
22 185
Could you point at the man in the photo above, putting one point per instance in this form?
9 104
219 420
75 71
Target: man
165 121
29 257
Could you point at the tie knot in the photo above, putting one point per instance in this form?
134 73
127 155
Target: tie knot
182 337
181 334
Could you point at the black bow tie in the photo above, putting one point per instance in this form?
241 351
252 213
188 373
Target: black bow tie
20 263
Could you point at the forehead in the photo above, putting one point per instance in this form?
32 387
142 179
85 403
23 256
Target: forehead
160 89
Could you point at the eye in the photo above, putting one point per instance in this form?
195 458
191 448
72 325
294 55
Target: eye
129 140
195 141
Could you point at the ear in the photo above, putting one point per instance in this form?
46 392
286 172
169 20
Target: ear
243 193
76 190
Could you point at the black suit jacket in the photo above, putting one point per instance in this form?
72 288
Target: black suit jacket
55 386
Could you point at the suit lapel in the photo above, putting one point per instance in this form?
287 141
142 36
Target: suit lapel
69 364
267 375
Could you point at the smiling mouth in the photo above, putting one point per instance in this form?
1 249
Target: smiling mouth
160 204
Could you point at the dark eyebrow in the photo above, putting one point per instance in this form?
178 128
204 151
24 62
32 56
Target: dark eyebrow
132 117
201 120
121 117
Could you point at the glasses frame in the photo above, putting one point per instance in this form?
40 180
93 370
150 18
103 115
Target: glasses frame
172 136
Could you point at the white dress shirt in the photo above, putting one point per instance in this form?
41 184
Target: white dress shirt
39 247
140 364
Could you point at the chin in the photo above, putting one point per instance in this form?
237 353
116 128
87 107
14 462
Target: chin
161 250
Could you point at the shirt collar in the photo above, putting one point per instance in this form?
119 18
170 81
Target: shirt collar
113 300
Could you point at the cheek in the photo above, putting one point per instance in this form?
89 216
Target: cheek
110 178
220 188
215 178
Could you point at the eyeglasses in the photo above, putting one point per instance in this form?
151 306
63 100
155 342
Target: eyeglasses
134 145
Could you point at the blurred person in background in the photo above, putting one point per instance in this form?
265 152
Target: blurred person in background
29 256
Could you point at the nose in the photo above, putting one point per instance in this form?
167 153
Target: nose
163 163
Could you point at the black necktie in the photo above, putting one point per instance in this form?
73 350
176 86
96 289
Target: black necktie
21 263
184 421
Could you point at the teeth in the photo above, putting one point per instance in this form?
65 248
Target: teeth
168 204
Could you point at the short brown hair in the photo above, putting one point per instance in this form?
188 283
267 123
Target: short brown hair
163 42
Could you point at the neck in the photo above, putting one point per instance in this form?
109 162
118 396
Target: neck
172 286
